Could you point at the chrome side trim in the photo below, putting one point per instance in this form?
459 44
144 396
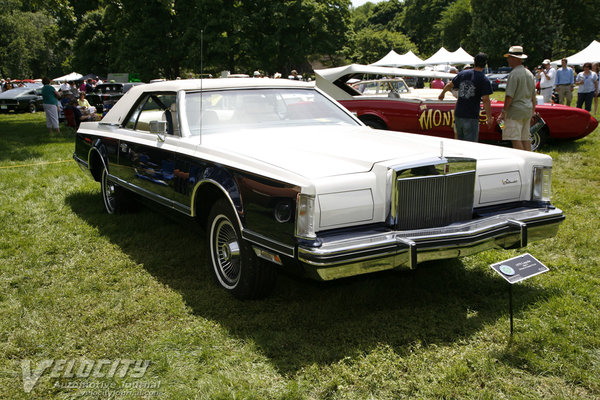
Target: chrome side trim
193 212
340 257
82 163
150 195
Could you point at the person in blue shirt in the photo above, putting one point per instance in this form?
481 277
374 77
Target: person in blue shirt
473 87
588 85
565 80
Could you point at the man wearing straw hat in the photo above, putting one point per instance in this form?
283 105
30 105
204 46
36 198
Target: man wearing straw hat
520 100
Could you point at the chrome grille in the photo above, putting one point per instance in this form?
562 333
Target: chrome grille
434 200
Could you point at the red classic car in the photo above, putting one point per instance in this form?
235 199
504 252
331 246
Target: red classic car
419 111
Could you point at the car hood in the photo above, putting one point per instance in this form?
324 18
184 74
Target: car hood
14 93
323 151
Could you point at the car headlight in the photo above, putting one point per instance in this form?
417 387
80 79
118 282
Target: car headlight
305 218
541 187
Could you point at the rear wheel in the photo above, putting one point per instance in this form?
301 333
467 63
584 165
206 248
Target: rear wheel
236 267
115 198
539 138
31 108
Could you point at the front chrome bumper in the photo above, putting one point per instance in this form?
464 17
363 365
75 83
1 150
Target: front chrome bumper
343 254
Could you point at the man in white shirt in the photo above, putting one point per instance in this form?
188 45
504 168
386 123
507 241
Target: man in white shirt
64 87
546 76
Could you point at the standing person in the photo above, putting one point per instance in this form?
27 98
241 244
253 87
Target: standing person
596 70
587 80
473 87
50 98
564 82
519 102
547 75
89 86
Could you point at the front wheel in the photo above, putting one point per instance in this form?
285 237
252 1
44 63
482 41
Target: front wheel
31 108
236 267
373 122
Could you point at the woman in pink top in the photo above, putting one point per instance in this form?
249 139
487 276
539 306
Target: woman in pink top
437 83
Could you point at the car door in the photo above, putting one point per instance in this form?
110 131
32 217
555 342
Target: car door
148 162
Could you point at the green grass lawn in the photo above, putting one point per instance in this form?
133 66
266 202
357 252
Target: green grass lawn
77 284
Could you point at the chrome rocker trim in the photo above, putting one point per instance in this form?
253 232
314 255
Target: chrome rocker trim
341 257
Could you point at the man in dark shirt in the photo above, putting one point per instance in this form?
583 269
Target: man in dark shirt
473 87
89 86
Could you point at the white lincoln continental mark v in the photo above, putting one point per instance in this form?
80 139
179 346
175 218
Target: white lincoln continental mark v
282 176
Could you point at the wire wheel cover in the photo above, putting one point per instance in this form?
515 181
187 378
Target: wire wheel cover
108 192
226 251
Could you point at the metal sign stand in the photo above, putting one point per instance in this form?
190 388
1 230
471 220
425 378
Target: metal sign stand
510 306
515 270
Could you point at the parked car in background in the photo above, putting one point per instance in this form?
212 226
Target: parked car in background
282 176
498 81
420 111
106 95
21 99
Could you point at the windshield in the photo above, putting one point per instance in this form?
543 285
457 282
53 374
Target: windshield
254 108
383 86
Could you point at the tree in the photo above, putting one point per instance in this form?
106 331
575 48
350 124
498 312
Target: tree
371 45
455 25
144 39
536 26
580 22
419 18
91 47
387 15
27 42
270 35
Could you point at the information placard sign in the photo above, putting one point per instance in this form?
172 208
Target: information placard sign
519 268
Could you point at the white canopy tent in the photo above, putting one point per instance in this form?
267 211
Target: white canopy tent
393 59
73 76
440 57
590 54
460 56
443 56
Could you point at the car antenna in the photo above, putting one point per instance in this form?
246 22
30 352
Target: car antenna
201 79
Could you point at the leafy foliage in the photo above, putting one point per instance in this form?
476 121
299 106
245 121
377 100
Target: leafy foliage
27 43
498 25
419 18
454 26
370 45
170 38
92 43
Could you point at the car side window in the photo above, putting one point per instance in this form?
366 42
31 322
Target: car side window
155 107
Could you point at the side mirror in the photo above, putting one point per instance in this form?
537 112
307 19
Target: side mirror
159 128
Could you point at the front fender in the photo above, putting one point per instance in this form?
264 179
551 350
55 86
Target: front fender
221 179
